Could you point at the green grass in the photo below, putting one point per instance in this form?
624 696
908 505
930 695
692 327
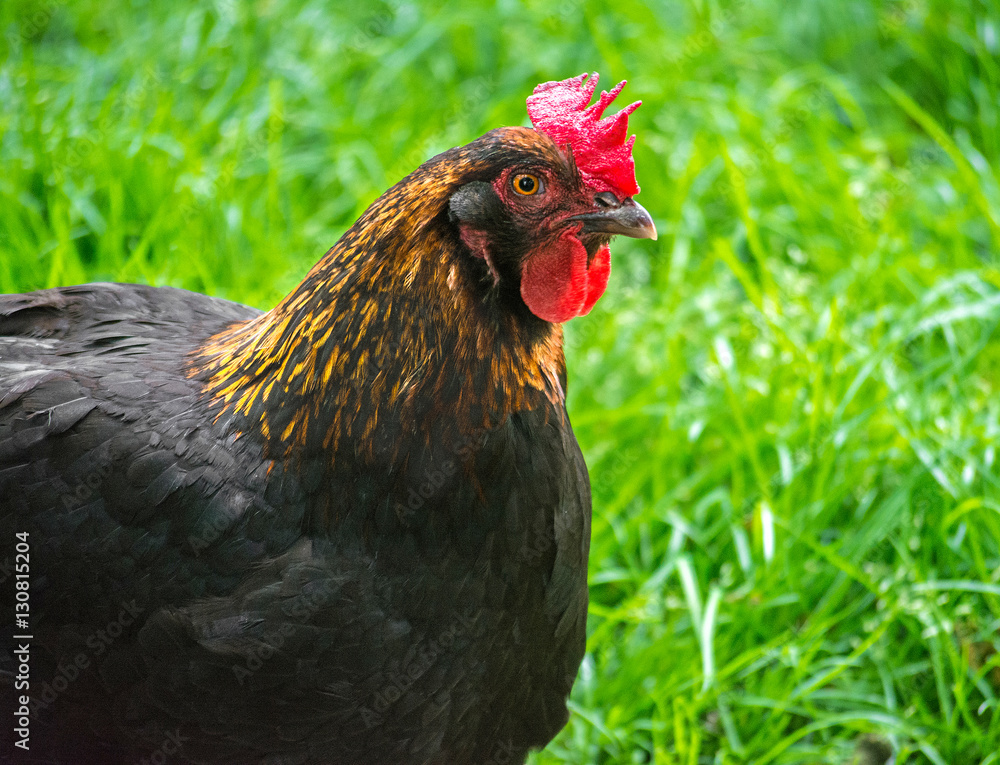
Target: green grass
789 402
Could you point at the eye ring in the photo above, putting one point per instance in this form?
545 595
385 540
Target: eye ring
526 184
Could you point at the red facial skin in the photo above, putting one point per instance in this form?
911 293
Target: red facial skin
557 281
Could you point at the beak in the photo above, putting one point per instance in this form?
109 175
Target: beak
628 218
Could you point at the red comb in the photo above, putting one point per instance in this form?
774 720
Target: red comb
602 155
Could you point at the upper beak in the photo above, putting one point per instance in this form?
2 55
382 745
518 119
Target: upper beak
627 217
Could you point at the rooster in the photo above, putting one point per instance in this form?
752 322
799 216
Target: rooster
351 530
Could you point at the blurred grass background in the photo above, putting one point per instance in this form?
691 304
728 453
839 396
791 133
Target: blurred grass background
789 403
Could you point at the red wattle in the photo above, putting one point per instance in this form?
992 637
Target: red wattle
556 283
597 278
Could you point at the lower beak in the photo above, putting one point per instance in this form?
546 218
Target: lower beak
628 218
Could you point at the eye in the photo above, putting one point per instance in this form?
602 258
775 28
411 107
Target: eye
526 184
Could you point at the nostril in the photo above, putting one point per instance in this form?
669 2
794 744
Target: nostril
606 199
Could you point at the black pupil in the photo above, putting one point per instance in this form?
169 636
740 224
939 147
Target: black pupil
526 183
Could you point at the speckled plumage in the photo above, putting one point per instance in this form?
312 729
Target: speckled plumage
353 530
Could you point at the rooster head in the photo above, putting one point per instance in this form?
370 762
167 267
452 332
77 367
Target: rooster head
544 203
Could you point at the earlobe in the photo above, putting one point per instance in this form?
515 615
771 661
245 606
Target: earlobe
476 209
479 245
